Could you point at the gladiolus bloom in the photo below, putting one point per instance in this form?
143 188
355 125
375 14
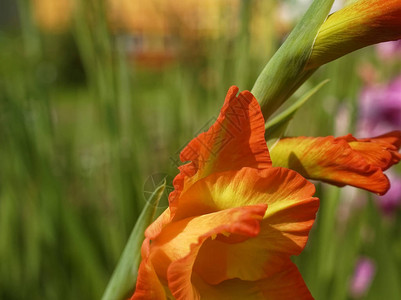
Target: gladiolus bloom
343 160
233 220
360 24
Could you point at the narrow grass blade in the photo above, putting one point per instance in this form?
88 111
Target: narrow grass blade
123 280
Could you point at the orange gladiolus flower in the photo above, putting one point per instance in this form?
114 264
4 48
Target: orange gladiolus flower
233 221
343 160
360 24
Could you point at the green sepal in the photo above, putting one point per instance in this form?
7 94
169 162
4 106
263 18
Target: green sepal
285 71
276 127
123 280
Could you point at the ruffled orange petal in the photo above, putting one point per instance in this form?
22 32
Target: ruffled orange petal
234 141
156 227
380 151
285 227
340 161
287 284
148 285
174 250
391 138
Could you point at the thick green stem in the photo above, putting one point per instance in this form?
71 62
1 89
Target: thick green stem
285 72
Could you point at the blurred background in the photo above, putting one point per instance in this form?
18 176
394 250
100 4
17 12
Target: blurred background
97 98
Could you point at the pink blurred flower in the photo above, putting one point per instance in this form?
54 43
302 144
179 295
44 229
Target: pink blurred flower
380 108
380 112
391 201
389 50
363 275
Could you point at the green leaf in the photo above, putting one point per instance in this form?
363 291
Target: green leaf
122 282
285 72
276 127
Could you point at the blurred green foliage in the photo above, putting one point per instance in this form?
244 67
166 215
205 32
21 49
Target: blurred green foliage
82 127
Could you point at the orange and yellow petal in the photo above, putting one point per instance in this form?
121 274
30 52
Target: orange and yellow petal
340 161
392 138
148 285
279 188
156 227
287 284
250 260
174 250
285 227
234 141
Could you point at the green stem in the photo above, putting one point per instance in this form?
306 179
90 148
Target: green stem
285 72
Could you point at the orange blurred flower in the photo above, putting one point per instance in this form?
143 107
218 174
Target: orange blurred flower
53 16
234 220
343 160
